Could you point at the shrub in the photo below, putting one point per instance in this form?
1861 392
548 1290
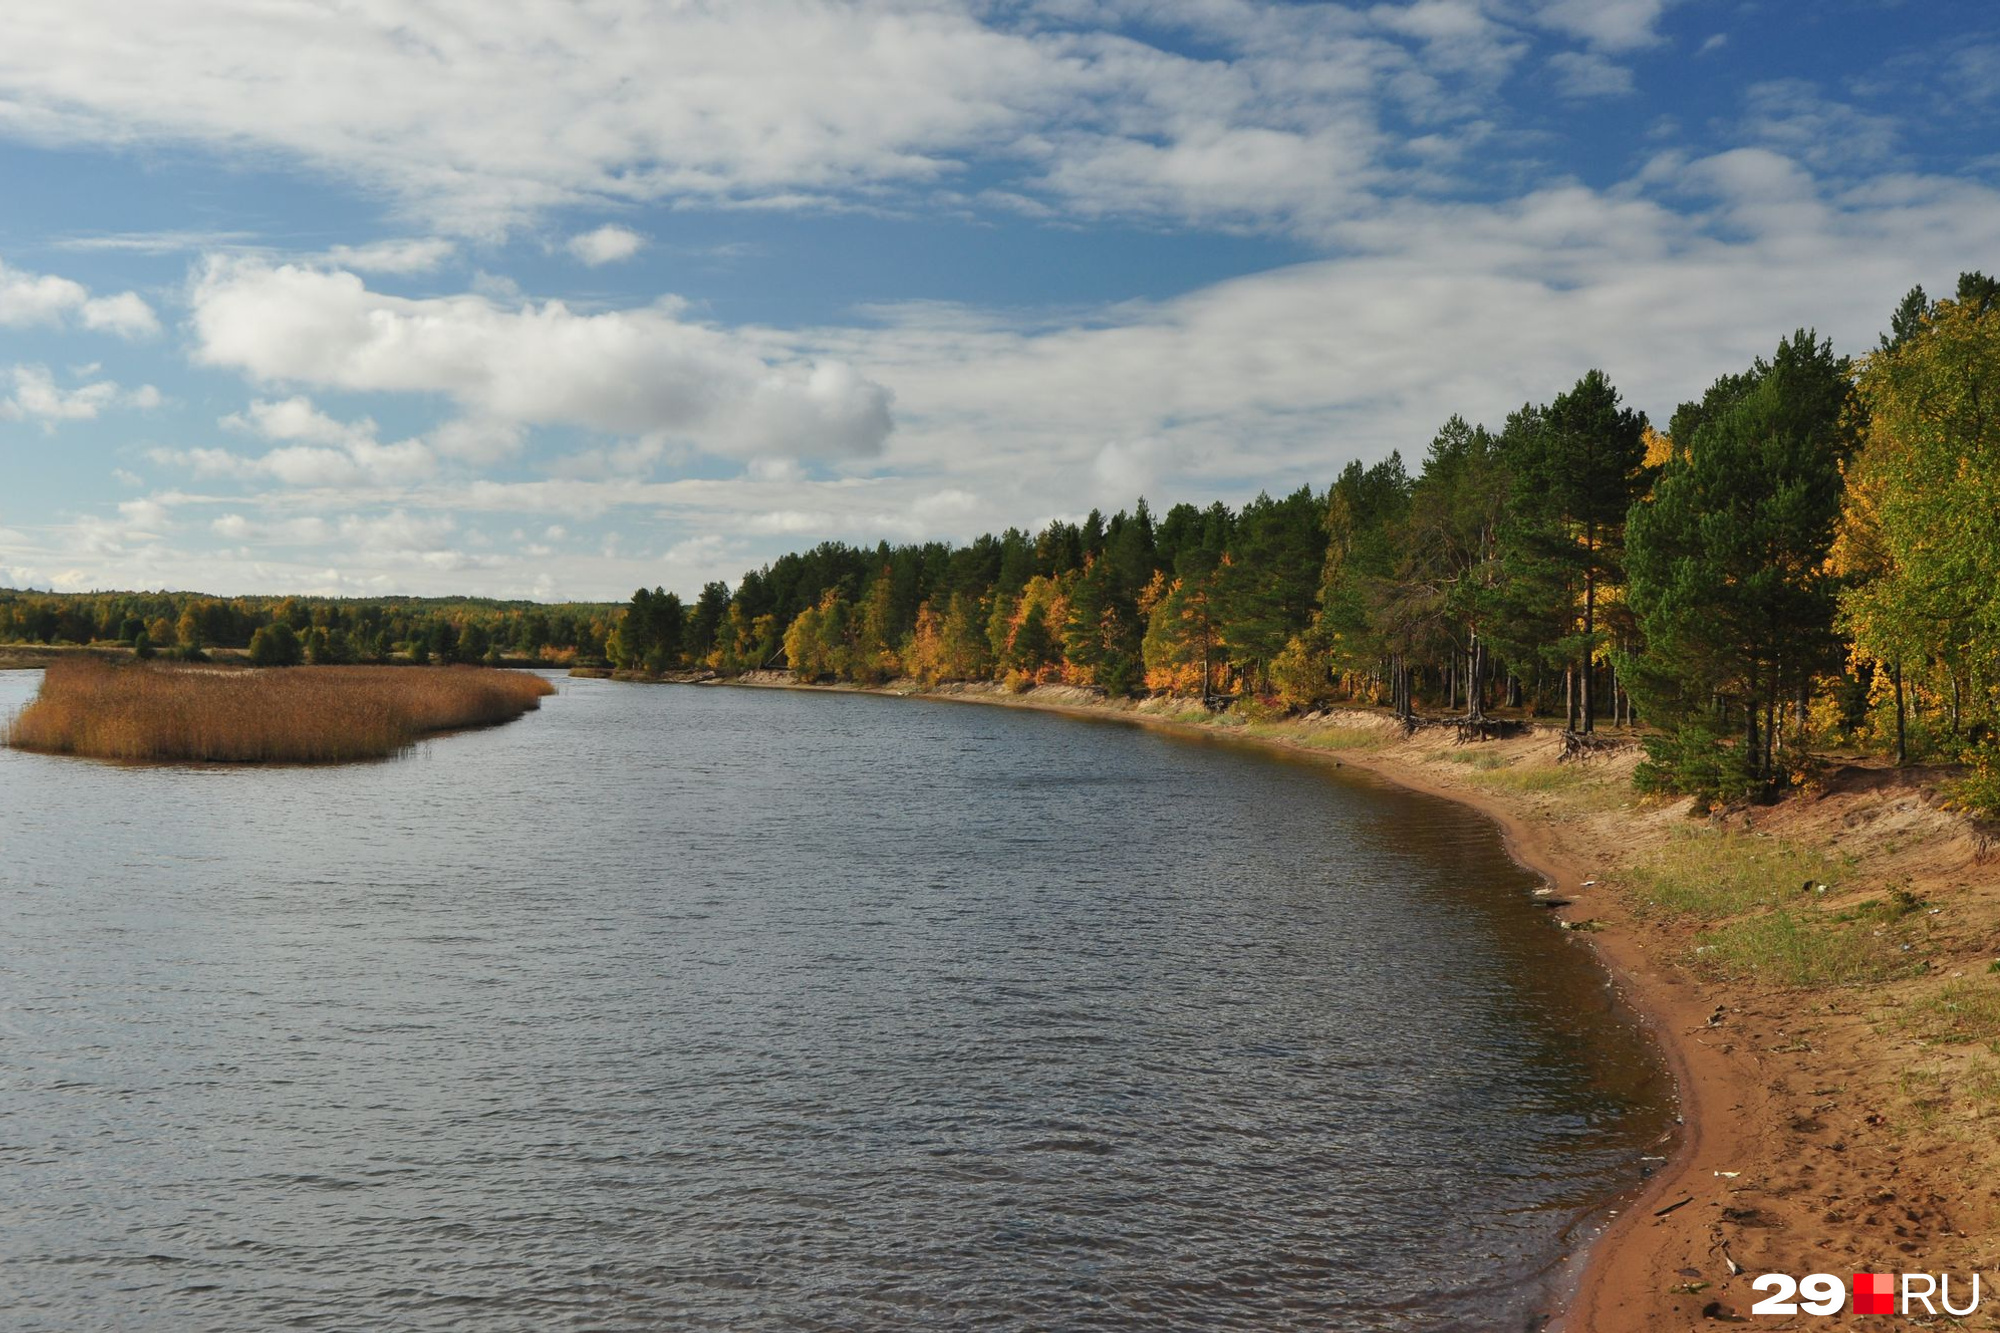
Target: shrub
1695 760
1979 790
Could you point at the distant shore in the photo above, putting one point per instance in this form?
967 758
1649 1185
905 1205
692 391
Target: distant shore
1804 1146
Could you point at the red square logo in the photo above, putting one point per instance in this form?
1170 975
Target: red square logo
1874 1293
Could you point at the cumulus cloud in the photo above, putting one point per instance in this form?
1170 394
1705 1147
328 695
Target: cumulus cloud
37 397
314 450
1276 378
609 244
29 299
642 372
1687 270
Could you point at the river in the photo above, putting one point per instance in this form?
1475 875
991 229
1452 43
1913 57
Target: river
671 1007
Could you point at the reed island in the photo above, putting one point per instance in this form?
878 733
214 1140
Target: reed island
188 713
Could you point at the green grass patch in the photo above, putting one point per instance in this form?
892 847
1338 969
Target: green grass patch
1960 1011
1483 760
1531 777
1713 875
1802 950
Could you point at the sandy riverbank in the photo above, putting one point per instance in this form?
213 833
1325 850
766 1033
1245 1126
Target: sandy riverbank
1835 1121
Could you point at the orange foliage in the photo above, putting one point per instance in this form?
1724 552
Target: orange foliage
333 714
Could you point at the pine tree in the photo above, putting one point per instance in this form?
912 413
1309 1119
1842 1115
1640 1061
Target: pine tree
1730 580
1578 465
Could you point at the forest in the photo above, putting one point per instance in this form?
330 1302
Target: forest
1806 559
288 631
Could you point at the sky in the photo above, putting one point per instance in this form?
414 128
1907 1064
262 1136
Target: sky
559 299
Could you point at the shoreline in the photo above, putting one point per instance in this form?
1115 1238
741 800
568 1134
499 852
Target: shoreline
1752 1182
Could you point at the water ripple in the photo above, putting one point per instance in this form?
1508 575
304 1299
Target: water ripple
728 1010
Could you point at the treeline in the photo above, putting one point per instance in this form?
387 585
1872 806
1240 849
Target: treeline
280 631
1808 555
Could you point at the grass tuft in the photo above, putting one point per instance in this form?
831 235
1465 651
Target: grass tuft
302 715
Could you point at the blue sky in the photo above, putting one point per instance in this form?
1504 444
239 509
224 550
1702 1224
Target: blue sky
556 299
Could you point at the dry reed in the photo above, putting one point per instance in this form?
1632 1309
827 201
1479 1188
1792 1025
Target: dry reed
297 715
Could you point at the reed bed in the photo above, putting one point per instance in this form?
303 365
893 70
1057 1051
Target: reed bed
297 715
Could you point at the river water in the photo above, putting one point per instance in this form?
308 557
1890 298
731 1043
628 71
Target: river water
686 1008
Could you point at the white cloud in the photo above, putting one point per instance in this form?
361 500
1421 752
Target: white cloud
315 450
478 442
29 299
1612 25
147 516
37 396
1276 378
775 103
1792 117
1686 271
124 314
1585 74
643 372
297 419
156 242
609 244
406 256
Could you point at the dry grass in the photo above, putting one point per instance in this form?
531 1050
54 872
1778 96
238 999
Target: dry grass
1320 738
299 715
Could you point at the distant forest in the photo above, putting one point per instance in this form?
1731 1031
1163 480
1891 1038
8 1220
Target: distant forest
286 631
1807 557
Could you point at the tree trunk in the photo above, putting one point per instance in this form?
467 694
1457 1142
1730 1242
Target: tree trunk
1752 745
1589 636
1772 717
1902 744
